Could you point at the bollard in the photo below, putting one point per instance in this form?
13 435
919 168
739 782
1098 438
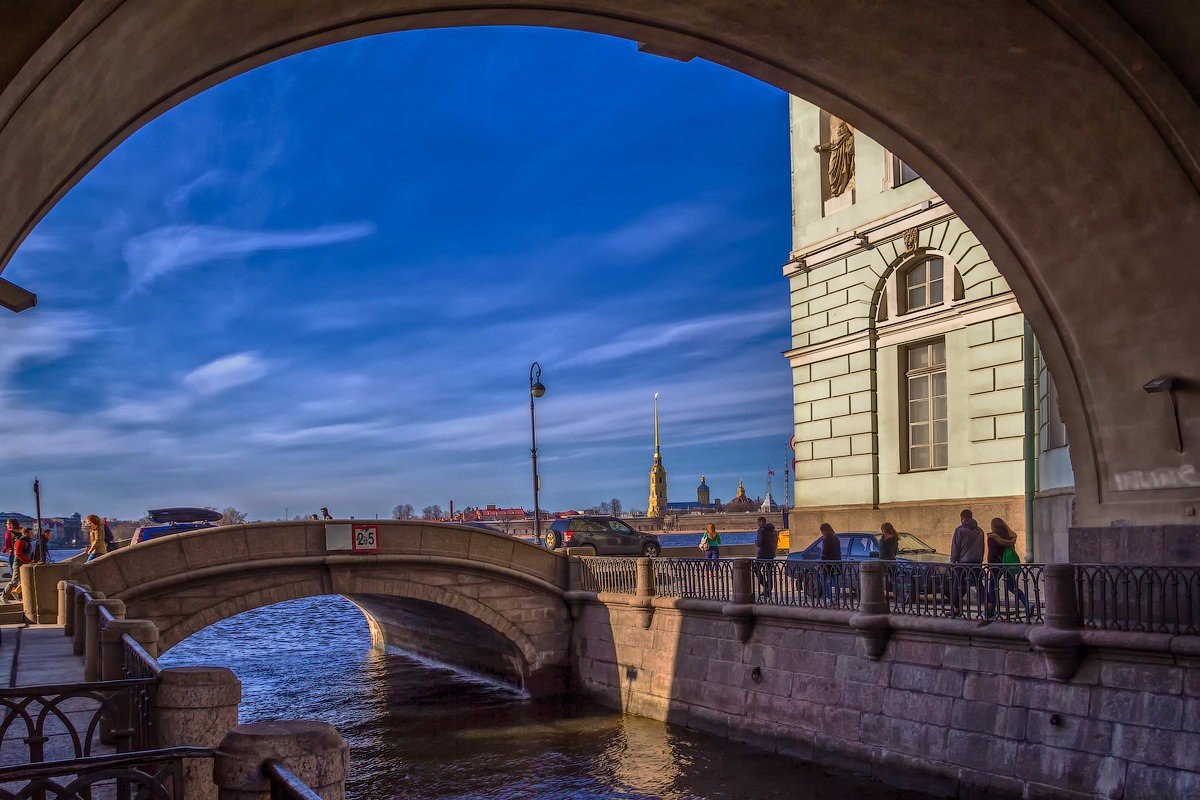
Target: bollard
39 591
66 607
1059 640
195 706
119 728
91 647
82 596
313 751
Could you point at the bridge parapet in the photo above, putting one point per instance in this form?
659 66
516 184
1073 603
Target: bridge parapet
184 555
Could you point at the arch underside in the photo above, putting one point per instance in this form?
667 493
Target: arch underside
1055 132
483 624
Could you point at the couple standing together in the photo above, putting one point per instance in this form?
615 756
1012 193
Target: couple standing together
969 547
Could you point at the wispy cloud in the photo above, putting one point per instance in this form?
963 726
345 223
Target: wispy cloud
647 338
178 197
171 248
41 336
225 373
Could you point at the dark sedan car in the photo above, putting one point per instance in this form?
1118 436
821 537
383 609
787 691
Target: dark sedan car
175 520
606 536
861 545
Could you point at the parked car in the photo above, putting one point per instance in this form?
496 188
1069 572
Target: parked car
606 536
861 545
175 520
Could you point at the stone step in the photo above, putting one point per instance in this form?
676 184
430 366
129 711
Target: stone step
11 614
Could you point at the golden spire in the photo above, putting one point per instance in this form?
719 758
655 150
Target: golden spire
657 452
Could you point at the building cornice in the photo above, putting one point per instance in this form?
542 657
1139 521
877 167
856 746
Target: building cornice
908 328
925 214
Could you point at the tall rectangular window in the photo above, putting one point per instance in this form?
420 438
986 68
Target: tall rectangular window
902 173
928 431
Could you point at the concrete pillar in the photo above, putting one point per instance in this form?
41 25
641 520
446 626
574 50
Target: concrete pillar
1059 640
195 706
66 606
118 729
39 591
645 578
313 751
871 621
82 596
91 647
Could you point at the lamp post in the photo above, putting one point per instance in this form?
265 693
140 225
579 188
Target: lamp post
536 390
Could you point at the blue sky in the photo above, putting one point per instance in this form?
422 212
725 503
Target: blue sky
322 283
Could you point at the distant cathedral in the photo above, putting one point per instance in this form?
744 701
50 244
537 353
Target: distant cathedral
658 474
741 502
702 493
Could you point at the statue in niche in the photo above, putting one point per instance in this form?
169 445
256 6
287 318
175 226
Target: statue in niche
840 148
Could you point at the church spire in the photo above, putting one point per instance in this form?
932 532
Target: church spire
658 474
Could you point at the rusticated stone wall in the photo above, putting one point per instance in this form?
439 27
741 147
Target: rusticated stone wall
949 707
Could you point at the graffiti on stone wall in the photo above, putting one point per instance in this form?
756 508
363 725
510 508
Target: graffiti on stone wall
1180 477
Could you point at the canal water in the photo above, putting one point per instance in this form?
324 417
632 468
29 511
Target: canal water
420 730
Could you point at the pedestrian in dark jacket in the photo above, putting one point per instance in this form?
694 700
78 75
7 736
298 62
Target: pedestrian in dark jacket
966 548
766 541
830 574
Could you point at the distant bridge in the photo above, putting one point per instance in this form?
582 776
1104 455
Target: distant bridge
465 596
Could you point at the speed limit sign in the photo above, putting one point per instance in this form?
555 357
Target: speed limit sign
364 538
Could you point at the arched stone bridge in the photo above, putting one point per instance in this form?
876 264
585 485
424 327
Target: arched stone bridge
465 596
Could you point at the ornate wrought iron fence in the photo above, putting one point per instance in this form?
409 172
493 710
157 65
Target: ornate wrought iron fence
148 775
1142 599
811 584
63 720
285 785
602 574
705 578
1009 592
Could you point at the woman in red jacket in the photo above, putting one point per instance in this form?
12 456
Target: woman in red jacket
22 554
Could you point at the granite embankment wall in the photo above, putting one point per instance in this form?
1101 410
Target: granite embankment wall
948 707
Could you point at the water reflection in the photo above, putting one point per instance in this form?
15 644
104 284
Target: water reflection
418 730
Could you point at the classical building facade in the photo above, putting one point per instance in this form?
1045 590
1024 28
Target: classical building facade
909 354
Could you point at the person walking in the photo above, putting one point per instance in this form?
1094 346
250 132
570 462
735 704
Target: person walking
22 555
710 542
766 543
966 550
96 544
1002 549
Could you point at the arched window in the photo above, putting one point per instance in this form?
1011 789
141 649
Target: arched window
925 284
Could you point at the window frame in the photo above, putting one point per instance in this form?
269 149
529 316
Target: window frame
928 372
903 289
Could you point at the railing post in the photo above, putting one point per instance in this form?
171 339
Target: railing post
741 606
91 648
195 706
118 727
1059 639
82 596
66 607
39 591
314 751
871 621
643 591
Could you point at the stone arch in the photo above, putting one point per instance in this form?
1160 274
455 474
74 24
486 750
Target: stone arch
505 593
1087 185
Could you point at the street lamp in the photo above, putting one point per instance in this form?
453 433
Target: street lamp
536 389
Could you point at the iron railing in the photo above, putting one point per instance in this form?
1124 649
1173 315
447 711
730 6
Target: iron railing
705 578
810 584
63 721
602 574
1141 599
1008 592
285 785
148 775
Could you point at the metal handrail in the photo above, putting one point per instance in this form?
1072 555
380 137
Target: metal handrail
1007 592
703 578
810 584
608 574
1145 599
144 774
284 783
